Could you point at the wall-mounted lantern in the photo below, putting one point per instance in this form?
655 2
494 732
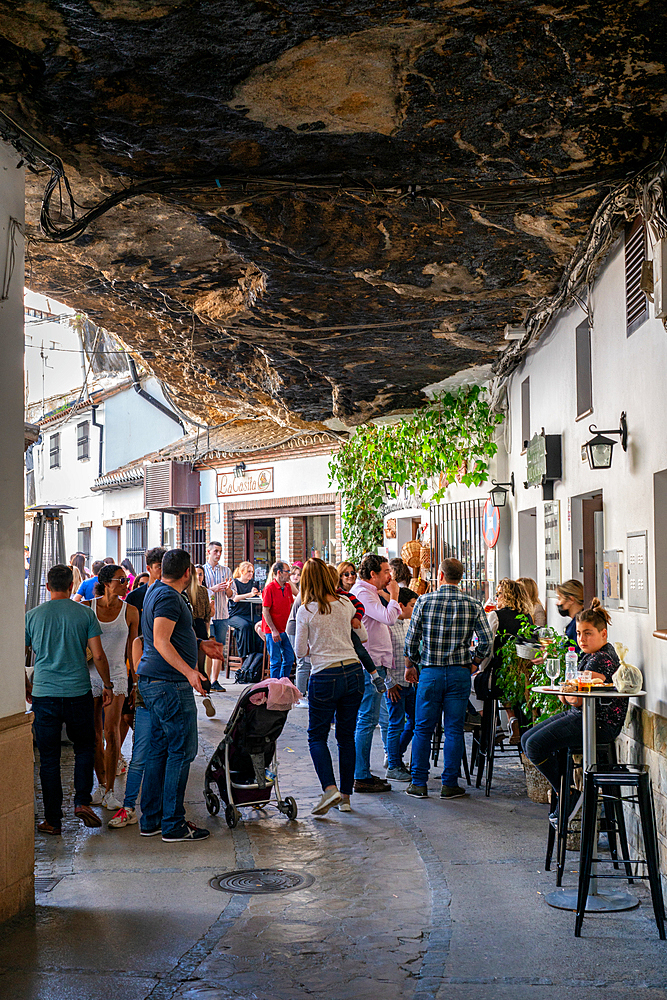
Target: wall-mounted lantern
500 490
239 470
599 449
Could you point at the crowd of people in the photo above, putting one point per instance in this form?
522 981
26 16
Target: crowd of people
122 650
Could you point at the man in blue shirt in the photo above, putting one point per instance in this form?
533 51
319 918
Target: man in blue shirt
167 674
439 640
86 591
58 632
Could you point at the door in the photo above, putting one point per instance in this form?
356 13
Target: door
113 544
593 545
263 547
528 543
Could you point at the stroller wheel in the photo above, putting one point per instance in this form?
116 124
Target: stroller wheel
290 809
232 816
212 803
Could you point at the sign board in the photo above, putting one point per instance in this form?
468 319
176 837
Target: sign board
490 523
552 545
254 481
536 460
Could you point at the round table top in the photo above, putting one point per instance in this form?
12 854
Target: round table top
593 693
255 600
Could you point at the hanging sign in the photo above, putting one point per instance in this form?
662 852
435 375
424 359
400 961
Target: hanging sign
254 481
490 523
552 545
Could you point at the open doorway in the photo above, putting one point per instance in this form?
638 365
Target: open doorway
588 543
528 543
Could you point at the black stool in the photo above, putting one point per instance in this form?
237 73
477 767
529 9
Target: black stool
436 746
613 823
609 779
485 750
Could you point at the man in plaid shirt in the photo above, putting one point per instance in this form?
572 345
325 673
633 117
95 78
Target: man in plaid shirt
438 640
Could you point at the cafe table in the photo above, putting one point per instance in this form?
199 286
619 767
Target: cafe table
597 902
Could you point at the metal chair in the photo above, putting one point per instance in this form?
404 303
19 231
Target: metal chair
436 746
485 747
232 659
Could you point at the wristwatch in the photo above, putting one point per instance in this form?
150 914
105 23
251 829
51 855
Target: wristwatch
109 687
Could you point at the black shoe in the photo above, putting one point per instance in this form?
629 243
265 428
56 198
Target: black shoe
553 818
216 686
420 791
452 792
192 832
150 833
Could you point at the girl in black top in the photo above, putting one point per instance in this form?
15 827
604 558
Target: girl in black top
241 610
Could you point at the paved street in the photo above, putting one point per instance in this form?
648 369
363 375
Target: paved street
410 899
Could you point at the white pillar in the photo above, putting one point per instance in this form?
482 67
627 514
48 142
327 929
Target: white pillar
16 757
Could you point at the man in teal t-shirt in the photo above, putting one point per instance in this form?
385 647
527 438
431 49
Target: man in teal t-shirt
58 633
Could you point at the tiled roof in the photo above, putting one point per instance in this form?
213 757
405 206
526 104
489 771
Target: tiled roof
70 405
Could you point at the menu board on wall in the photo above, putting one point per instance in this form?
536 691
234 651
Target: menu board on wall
552 545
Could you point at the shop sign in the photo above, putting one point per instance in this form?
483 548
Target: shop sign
552 544
490 523
536 460
254 481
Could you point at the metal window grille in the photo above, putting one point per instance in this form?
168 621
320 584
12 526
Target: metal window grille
82 441
456 532
193 536
54 451
137 541
636 303
30 488
83 541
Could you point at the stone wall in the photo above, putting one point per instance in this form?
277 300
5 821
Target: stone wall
17 816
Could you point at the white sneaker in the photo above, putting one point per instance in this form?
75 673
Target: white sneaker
121 767
111 802
329 799
98 795
124 817
302 703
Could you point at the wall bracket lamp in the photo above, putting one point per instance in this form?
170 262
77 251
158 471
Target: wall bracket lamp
600 448
239 470
500 490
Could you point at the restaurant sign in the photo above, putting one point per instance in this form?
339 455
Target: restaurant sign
252 482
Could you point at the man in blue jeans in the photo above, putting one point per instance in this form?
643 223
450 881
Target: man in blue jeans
167 675
439 640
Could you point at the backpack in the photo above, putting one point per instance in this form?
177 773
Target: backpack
251 670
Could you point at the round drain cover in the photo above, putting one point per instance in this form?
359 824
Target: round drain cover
261 880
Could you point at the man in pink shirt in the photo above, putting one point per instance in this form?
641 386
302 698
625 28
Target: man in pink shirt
374 575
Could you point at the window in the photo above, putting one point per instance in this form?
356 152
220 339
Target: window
584 377
54 451
525 413
83 542
193 536
30 497
83 441
636 303
137 542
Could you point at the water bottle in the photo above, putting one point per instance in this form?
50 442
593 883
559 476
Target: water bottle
571 661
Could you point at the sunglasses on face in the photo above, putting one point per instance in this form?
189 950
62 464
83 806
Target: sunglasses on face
119 579
349 574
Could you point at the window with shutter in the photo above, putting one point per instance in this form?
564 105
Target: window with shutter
525 413
54 451
584 375
82 441
636 303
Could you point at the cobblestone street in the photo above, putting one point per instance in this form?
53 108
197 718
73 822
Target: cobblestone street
410 899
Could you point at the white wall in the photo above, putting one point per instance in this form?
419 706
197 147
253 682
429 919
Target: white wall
12 197
60 368
134 427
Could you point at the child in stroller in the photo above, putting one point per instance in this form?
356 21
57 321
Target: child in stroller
245 765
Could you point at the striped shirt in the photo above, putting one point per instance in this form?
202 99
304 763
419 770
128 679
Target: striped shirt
443 624
213 575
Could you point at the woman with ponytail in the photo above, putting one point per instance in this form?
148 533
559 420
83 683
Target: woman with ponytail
542 743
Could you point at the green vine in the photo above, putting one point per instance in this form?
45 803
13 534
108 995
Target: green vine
516 677
450 439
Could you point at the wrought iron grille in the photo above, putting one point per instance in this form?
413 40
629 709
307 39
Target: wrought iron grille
137 540
193 536
456 532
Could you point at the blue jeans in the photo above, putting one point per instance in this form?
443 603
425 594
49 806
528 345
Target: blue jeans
141 742
384 722
281 655
173 747
219 627
367 720
335 691
401 724
440 689
77 715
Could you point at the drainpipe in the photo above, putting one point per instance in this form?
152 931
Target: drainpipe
95 408
138 388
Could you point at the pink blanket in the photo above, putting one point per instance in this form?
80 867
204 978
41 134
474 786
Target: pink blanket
278 693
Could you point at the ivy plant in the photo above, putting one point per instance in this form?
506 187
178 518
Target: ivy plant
450 439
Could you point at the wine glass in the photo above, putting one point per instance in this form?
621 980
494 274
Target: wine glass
552 667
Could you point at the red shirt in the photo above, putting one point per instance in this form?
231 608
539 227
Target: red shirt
279 601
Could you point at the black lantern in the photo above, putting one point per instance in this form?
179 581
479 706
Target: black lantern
390 489
599 449
500 490
239 470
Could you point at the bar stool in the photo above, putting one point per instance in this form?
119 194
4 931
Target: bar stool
232 659
436 746
484 746
613 823
609 779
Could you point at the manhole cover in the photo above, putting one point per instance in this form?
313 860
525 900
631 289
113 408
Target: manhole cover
43 884
261 880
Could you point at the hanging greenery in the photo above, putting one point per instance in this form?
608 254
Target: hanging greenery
450 439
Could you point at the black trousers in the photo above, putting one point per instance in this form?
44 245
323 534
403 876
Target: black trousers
561 732
77 715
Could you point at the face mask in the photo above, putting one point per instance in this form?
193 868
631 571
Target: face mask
562 611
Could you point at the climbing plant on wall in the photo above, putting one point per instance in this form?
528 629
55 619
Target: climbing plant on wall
450 439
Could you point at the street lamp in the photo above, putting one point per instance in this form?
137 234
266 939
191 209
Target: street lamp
600 448
239 470
500 490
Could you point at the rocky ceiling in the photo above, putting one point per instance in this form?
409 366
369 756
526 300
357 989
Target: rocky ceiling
342 203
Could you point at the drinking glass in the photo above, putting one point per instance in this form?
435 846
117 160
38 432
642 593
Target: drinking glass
552 667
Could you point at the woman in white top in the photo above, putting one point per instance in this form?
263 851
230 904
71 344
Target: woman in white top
120 624
336 681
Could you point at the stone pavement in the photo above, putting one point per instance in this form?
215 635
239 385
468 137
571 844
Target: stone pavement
411 899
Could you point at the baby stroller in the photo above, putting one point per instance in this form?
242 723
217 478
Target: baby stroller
245 765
